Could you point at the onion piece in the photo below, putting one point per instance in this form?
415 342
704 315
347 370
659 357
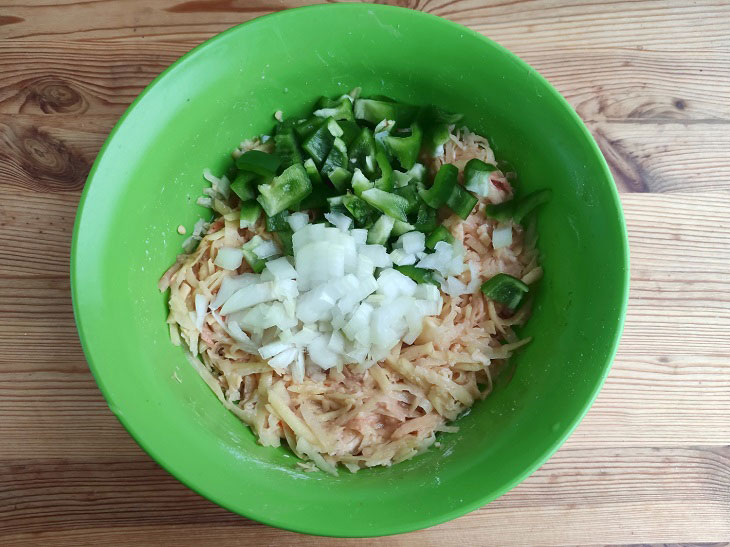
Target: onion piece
297 221
338 220
201 305
266 249
229 258
502 236
281 268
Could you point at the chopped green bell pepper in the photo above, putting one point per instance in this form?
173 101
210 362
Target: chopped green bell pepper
306 127
362 153
360 182
518 209
390 204
335 167
375 111
336 205
405 149
364 214
287 148
319 143
339 109
410 193
277 222
380 232
476 176
426 219
461 202
439 234
257 264
289 188
259 162
244 185
350 131
419 275
385 181
505 289
285 240
400 228
250 213
443 186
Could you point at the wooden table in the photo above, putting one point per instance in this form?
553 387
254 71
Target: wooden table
651 461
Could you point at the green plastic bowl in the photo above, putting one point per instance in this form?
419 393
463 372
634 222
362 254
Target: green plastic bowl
145 183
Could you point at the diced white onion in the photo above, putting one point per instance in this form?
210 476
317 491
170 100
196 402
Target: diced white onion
338 220
266 249
280 268
412 242
229 258
502 236
297 221
201 306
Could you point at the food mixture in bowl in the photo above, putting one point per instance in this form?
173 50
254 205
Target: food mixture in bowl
358 287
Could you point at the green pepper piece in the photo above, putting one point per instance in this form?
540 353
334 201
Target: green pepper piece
400 228
476 176
314 176
339 109
244 185
439 234
360 210
381 230
426 219
285 240
410 193
259 162
277 222
340 178
375 111
385 181
405 149
461 202
287 148
530 202
306 127
350 131
287 189
500 211
335 167
360 182
435 123
362 153
320 191
257 264
443 186
336 205
250 213
401 179
390 204
419 275
505 289
518 209
319 143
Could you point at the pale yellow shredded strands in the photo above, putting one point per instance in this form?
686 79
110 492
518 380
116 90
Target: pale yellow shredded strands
390 412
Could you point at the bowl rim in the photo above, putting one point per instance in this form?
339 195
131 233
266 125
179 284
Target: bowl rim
316 529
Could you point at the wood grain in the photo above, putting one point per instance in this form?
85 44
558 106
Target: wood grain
650 464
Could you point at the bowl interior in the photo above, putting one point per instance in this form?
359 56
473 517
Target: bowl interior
148 176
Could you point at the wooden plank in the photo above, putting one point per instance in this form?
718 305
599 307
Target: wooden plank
520 25
642 494
667 157
70 78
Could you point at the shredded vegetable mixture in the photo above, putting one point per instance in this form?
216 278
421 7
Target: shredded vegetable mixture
349 415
